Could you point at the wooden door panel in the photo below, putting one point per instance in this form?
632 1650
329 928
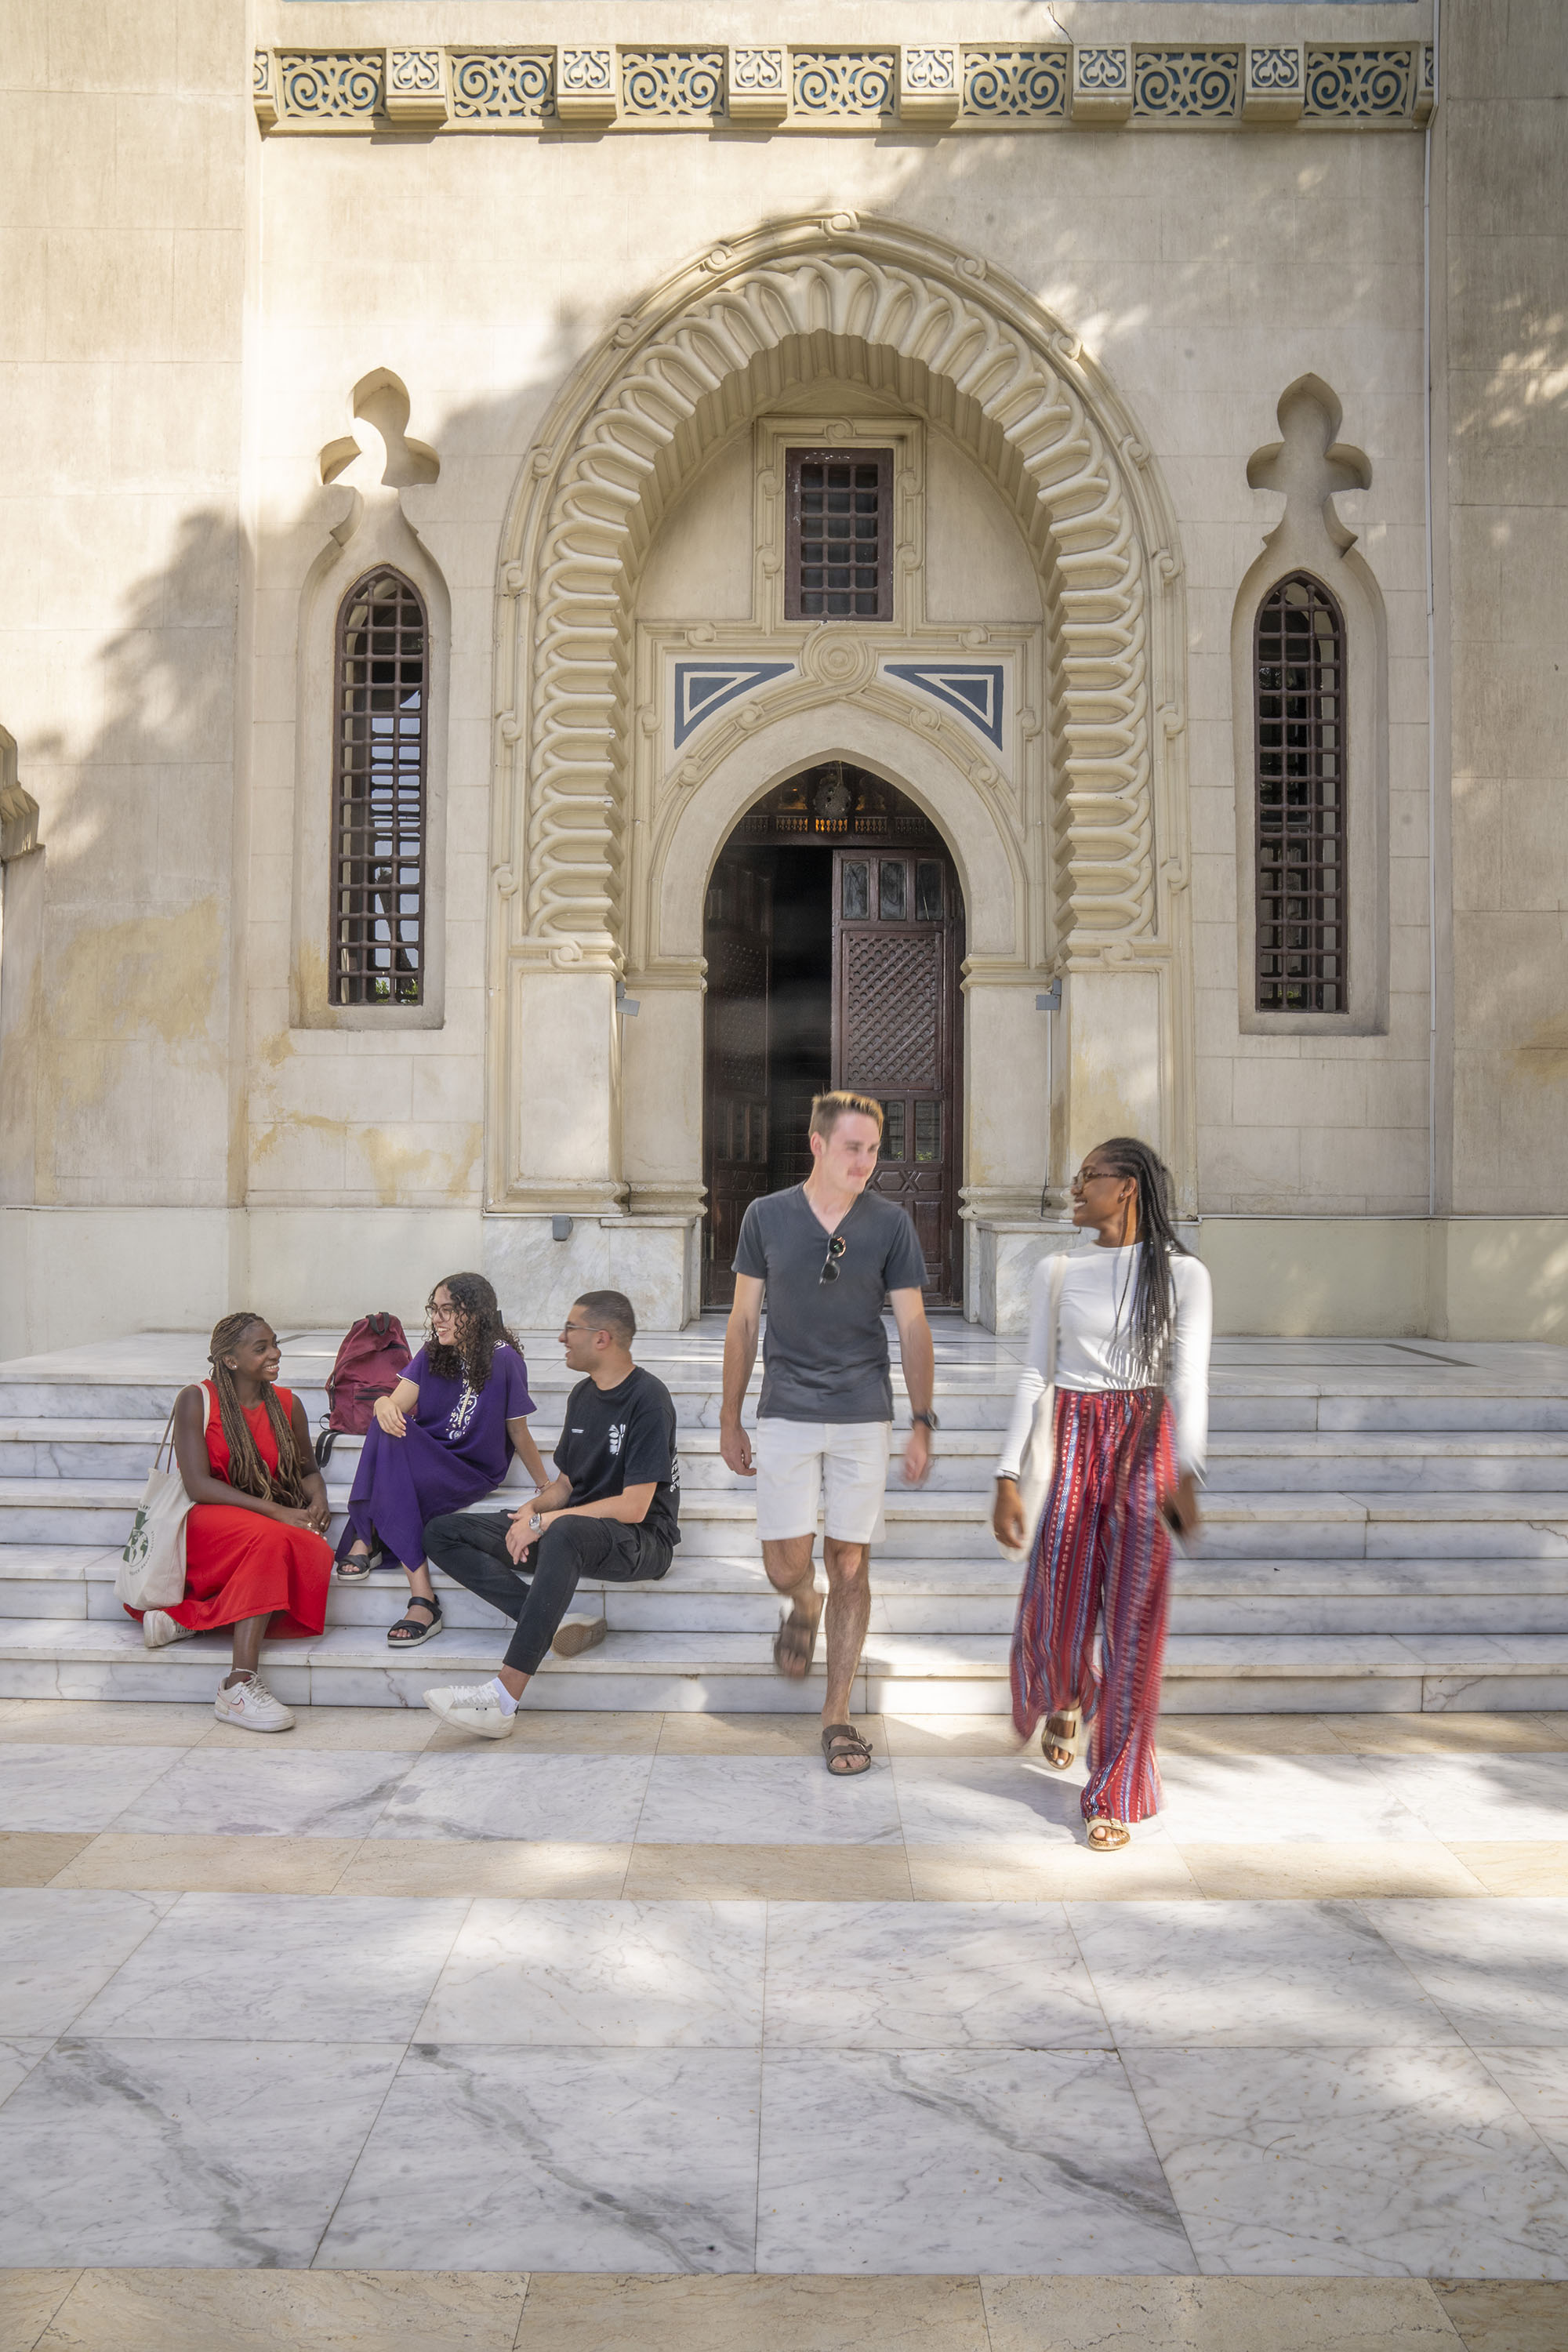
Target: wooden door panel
738 939
896 951
893 1015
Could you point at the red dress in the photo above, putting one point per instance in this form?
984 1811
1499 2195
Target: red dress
239 1564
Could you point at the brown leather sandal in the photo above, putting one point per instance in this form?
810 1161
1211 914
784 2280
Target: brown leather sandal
794 1646
846 1753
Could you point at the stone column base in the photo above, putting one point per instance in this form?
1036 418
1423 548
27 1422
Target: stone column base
655 1261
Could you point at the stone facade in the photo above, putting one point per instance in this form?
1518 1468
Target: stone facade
526 302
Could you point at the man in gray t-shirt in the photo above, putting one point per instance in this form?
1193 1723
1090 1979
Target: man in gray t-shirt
826 1254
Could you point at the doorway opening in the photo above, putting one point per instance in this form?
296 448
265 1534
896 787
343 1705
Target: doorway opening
834 936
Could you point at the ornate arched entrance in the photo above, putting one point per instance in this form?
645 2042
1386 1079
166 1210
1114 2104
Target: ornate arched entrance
833 936
1076 813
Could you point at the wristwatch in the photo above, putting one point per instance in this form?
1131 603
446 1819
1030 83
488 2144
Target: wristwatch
928 1419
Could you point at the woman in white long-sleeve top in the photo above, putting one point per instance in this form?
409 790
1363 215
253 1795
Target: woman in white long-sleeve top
1131 1358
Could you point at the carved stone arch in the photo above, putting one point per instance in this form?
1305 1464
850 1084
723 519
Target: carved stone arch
959 342
983 851
1004 1116
729 337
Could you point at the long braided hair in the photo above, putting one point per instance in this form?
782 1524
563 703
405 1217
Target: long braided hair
246 1470
480 1331
1153 1312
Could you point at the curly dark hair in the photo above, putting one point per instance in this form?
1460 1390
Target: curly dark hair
480 1330
246 1470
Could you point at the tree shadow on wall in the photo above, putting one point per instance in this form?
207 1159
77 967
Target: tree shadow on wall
117 1008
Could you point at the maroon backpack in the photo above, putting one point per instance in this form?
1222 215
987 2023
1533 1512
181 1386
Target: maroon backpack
369 1363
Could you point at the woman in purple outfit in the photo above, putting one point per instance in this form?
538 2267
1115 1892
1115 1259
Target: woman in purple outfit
443 1438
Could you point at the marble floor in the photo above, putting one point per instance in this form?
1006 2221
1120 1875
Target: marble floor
643 2028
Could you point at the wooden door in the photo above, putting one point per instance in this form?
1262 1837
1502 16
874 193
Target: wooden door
738 942
895 950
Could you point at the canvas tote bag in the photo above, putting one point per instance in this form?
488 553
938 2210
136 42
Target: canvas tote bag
152 1572
1038 1460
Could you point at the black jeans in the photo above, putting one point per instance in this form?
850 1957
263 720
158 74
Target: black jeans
537 1590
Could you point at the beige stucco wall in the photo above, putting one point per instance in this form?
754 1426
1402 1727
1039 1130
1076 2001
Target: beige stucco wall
1144 246
1502 321
186 310
125 145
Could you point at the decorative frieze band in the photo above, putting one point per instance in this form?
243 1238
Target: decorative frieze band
964 87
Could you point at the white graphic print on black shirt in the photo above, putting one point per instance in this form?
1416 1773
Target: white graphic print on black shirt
621 1437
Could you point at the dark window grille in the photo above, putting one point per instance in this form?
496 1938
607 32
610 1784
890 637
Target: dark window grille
1299 698
839 538
378 795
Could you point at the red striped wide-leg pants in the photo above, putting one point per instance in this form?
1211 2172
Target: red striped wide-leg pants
1101 1562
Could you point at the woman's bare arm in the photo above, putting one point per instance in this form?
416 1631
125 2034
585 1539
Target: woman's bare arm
318 1512
195 1470
392 1412
522 1437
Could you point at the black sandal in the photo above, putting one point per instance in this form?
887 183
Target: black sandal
408 1633
352 1570
846 1753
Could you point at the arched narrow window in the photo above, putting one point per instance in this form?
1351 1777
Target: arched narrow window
378 795
1298 701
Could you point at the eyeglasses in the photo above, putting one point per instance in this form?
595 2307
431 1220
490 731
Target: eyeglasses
441 1314
835 1249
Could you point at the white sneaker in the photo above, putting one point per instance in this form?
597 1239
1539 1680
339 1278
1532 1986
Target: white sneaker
576 1634
159 1629
251 1706
471 1706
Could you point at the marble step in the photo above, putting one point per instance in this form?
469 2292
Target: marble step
721 1673
1408 1462
929 1596
969 1407
1385 1462
1281 1527
954 1525
1243 1401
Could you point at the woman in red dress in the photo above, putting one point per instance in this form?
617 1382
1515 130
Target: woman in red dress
256 1557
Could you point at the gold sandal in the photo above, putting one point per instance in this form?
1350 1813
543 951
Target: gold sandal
1106 1836
1058 1740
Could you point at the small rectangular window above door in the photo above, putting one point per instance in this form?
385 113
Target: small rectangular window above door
838 555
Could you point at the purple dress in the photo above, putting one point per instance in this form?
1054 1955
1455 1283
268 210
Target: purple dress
456 1449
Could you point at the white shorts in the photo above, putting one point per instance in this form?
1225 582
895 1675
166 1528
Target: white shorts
795 1459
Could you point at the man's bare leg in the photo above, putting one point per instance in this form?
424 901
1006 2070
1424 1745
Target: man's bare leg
789 1566
848 1569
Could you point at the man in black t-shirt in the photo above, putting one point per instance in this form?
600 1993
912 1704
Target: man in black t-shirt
610 1512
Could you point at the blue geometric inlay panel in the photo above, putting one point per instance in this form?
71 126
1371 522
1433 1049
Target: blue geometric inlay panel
703 688
972 689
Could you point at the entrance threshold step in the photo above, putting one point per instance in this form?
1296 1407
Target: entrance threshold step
350 1666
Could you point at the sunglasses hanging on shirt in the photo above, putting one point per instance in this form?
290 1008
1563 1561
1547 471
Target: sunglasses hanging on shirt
835 1249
